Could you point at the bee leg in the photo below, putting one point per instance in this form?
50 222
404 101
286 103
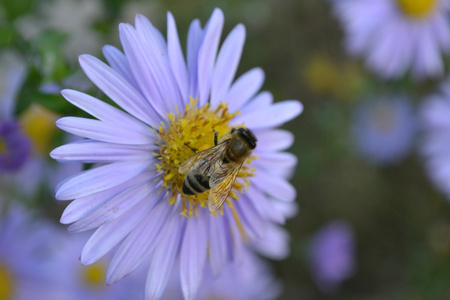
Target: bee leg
216 134
193 149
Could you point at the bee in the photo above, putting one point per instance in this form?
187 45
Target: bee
216 168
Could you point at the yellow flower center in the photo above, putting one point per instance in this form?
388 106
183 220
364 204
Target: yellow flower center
39 124
417 9
6 283
321 75
383 117
94 275
2 146
184 135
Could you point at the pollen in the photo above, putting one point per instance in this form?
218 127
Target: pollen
94 275
417 9
185 134
6 282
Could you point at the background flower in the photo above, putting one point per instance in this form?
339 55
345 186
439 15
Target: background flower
384 129
332 255
246 278
26 253
396 36
436 127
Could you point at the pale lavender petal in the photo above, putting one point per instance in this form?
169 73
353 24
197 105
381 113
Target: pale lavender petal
176 57
108 235
163 259
93 151
219 237
118 89
279 160
193 256
428 59
102 131
100 179
273 140
105 112
117 206
140 64
227 64
81 207
441 31
253 221
140 242
194 38
263 99
118 62
271 116
264 206
277 187
156 53
244 88
207 54
275 244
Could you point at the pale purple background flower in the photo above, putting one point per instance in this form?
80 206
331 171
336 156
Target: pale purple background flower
435 146
392 42
16 147
120 196
27 246
14 144
332 255
384 129
248 277
74 278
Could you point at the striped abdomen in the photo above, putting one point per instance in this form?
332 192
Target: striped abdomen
195 184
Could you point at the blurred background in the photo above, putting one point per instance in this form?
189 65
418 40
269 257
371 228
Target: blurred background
394 222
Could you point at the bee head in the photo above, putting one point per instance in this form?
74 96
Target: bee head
247 134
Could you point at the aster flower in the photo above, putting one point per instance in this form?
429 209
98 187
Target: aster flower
26 249
397 36
332 257
88 282
246 278
384 129
14 145
436 129
134 194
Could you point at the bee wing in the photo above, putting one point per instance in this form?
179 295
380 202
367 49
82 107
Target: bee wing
221 183
202 161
